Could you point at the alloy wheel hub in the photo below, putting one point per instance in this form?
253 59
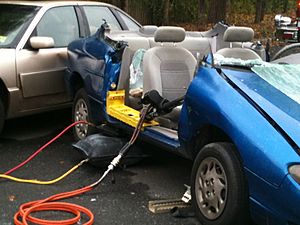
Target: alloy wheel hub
211 188
81 113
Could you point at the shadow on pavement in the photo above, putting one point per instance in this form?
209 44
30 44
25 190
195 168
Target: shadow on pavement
36 126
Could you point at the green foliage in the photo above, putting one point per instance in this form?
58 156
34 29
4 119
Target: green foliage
157 9
182 12
280 5
187 11
242 6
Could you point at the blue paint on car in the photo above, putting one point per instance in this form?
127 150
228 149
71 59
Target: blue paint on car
262 123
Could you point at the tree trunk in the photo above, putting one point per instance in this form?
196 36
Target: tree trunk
202 11
285 6
263 10
124 5
166 16
260 10
217 11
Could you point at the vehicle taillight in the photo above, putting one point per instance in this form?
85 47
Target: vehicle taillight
287 35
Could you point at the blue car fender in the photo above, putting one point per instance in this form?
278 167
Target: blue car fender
211 100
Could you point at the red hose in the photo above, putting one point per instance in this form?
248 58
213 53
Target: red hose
23 216
45 146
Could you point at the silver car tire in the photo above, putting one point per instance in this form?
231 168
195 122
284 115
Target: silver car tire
81 112
219 190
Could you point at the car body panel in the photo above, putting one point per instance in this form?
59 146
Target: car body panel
42 71
275 206
91 59
215 102
8 67
282 109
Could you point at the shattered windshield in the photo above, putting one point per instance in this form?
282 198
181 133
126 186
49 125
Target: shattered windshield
284 77
224 61
13 20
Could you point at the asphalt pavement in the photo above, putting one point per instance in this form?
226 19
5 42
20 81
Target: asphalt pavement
159 176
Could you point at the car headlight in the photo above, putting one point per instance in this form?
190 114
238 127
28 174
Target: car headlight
295 172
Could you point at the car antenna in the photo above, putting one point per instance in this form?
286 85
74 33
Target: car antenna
212 56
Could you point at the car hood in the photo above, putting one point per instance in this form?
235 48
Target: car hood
279 107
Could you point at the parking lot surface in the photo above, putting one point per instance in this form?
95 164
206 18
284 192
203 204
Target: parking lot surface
159 176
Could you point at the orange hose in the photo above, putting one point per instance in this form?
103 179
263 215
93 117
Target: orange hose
22 217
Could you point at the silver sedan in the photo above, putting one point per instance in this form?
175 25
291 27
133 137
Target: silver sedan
33 53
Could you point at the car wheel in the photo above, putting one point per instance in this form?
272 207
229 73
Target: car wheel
2 116
219 190
81 111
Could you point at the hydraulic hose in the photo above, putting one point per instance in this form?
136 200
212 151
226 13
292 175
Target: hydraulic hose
45 146
24 215
20 180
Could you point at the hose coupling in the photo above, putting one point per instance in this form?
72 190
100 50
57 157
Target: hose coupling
83 161
116 160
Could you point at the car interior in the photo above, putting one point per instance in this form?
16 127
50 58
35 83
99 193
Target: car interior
169 63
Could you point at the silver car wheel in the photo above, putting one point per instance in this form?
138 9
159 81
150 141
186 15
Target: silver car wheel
211 188
81 114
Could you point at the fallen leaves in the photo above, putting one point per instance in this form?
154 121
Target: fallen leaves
11 198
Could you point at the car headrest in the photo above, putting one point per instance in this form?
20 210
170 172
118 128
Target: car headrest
169 34
238 34
148 29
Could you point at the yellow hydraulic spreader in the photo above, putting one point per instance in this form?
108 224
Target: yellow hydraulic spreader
115 107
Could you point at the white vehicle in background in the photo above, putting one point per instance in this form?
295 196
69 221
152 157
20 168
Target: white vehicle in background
287 28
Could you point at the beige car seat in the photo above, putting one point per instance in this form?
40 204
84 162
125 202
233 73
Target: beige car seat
238 34
169 69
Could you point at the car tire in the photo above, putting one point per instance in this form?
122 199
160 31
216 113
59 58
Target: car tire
2 116
219 191
81 111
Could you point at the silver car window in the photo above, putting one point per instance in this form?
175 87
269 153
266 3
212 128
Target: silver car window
133 26
61 24
95 16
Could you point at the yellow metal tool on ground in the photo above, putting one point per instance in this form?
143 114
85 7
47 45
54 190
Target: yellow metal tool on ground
164 206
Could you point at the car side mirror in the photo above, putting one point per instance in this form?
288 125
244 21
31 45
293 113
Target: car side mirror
41 42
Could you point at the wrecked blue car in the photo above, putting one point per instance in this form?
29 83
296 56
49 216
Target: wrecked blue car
239 121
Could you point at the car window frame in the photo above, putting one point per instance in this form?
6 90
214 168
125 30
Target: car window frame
80 20
34 32
23 30
88 32
117 12
85 22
